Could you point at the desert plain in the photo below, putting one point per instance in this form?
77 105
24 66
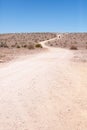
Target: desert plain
43 81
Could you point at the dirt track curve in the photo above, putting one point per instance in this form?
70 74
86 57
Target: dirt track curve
46 91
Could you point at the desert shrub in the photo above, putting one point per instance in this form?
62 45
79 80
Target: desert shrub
73 47
18 46
2 44
36 40
51 44
16 43
5 45
30 46
38 45
24 45
13 46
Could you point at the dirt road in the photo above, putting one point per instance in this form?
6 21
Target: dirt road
46 91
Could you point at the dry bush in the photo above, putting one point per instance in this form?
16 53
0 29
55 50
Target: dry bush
25 46
51 44
30 46
73 47
65 40
5 45
38 45
12 46
25 38
18 46
2 44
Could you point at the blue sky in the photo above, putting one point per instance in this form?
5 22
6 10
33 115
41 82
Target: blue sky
43 16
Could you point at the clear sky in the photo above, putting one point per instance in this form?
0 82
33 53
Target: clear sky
43 16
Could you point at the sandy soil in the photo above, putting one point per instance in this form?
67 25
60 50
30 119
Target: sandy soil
46 91
6 54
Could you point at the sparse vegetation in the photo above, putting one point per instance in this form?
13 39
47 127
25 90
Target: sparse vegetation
69 40
18 46
73 47
12 44
3 44
30 46
51 44
38 45
25 46
24 40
